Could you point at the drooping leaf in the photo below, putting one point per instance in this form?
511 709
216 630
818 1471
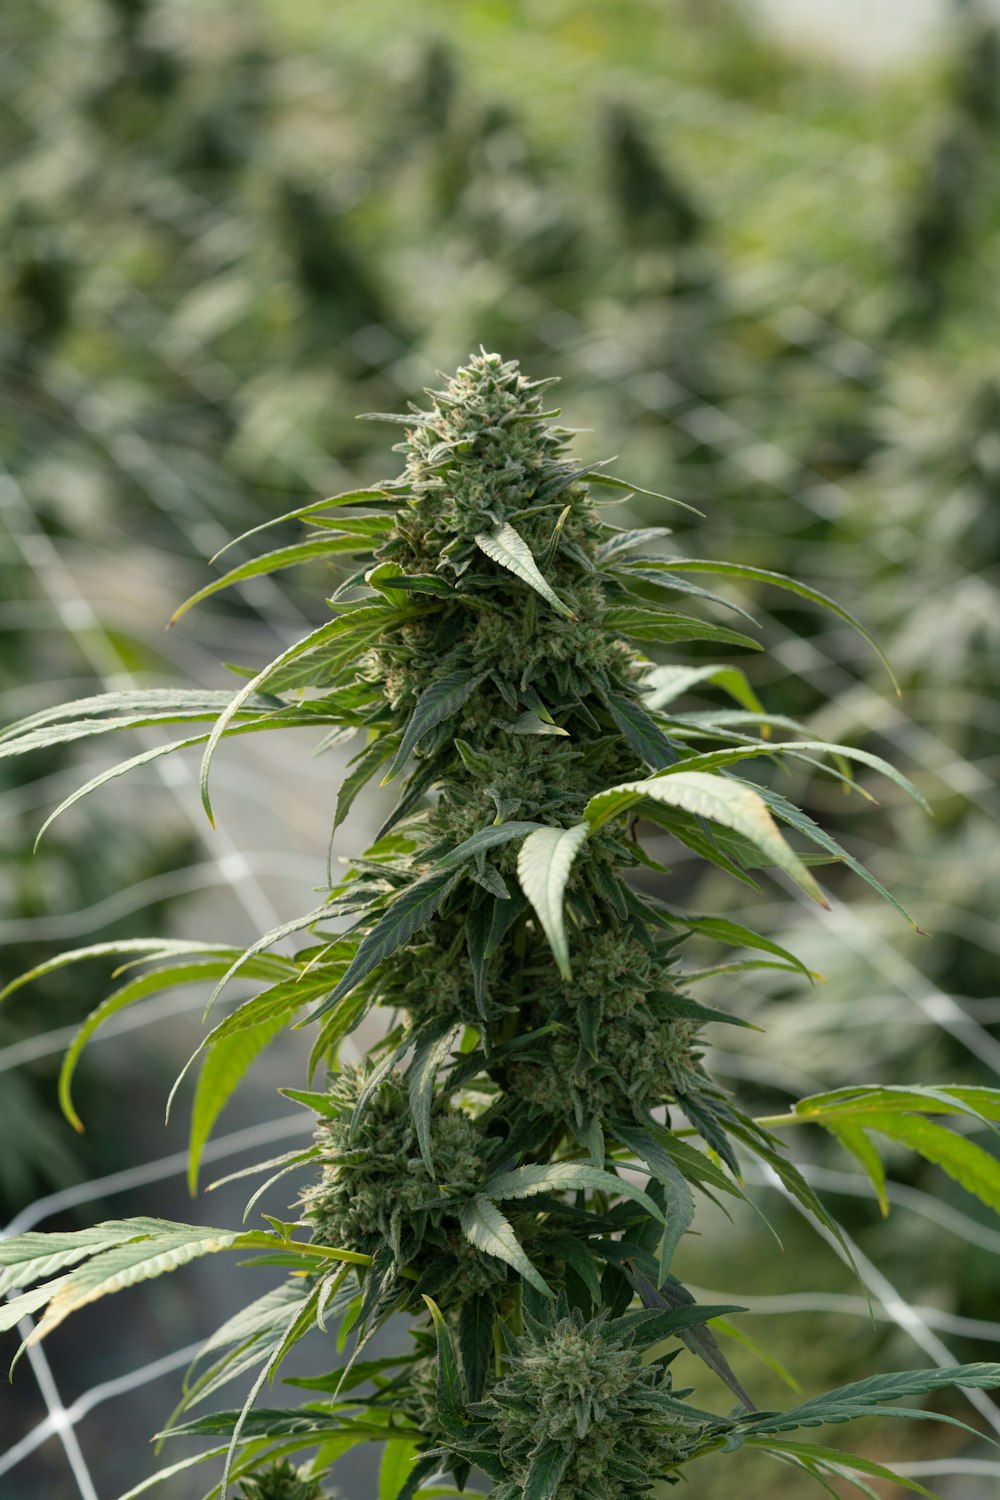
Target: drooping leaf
486 1227
671 627
153 1248
378 496
27 1303
859 1144
972 1167
594 476
865 1398
678 1200
858 1101
34 1256
273 562
723 930
154 947
696 1335
770 1361
791 585
379 618
507 547
764 1146
221 1072
711 760
838 1462
788 813
732 804
543 869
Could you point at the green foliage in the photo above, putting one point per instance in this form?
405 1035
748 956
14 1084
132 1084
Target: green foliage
478 1173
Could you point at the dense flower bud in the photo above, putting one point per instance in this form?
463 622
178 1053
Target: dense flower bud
282 1481
582 1390
375 1189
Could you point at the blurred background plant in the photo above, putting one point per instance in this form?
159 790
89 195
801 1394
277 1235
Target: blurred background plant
767 275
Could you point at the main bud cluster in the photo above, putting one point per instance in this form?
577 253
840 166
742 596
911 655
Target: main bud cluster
513 1165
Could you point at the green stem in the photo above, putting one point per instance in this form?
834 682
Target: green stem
768 1122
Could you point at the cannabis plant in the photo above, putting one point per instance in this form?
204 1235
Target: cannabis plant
515 1163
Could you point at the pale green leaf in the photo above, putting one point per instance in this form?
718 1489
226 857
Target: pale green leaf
543 869
975 1169
663 684
732 804
856 1141
33 1256
226 1063
487 1228
567 1176
395 1468
507 547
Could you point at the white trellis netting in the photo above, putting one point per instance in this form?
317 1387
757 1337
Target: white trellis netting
64 590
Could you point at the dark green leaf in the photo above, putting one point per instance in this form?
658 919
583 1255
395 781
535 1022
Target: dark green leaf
428 1055
406 914
546 1471
438 702
475 1342
486 838
450 1393
641 731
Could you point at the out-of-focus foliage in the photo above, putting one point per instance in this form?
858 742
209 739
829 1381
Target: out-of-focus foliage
226 229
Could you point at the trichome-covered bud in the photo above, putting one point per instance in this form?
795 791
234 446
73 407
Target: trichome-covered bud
282 1481
581 1392
375 1189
